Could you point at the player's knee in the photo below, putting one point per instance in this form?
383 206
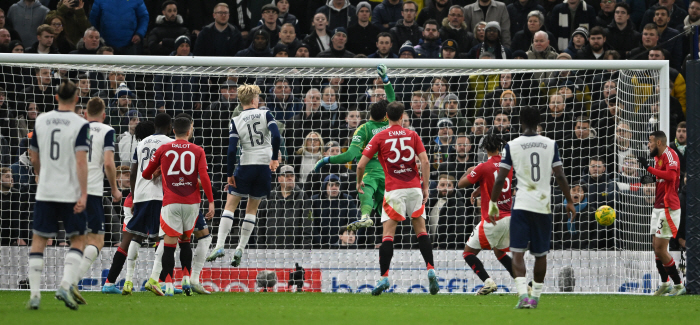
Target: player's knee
468 249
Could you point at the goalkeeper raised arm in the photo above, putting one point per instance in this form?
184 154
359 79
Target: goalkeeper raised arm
373 195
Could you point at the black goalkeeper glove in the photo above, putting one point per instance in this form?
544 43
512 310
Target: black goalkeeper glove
643 162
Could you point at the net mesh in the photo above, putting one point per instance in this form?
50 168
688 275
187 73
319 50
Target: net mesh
599 118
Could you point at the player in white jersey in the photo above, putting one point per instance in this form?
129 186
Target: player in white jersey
534 159
260 141
100 163
58 151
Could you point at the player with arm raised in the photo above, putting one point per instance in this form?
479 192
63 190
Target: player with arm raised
492 232
58 152
533 159
373 194
183 165
260 142
404 196
100 164
666 215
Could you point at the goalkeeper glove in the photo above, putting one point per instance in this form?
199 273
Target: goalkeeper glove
381 70
643 162
324 161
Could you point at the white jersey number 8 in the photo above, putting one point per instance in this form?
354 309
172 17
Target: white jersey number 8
412 154
182 162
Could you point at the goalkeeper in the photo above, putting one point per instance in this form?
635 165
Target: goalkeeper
373 195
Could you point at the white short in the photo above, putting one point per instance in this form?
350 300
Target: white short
178 219
398 204
665 222
489 236
127 216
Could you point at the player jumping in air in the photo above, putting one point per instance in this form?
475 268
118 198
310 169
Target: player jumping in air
260 142
666 215
373 194
58 152
533 158
492 232
186 165
405 197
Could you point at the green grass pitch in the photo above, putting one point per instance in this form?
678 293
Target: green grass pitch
320 308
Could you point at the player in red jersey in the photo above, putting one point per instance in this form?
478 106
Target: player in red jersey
403 196
491 233
182 165
666 215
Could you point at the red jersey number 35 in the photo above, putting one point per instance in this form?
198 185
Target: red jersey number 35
411 154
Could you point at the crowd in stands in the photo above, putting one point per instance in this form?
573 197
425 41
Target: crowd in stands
595 130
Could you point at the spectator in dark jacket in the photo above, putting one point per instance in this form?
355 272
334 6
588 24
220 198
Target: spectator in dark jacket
177 94
580 233
437 9
281 102
650 39
90 42
384 45
288 37
259 47
313 185
60 41
331 209
406 29
523 38
454 28
14 222
519 11
596 46
123 25
429 45
75 20
319 39
338 41
491 44
41 92
284 220
676 14
270 25
310 119
606 13
621 33
219 38
45 38
666 34
579 39
168 27
25 17
340 13
446 214
560 23
363 34
386 14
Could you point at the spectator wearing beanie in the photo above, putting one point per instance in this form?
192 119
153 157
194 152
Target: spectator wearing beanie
561 21
25 17
122 25
496 12
219 38
577 43
519 55
302 51
340 13
259 45
492 44
338 41
75 21
454 28
407 51
280 50
363 34
270 13
168 27
406 29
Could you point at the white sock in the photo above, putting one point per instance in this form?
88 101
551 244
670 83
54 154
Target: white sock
71 267
225 225
158 261
521 285
247 226
89 257
200 254
537 289
131 257
36 267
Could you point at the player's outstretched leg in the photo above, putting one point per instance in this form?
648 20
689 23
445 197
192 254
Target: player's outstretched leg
478 268
200 253
225 225
247 226
386 252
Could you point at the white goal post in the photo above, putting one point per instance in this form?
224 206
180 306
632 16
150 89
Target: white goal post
586 258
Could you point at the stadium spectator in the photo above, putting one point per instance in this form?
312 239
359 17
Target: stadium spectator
14 222
284 219
307 155
625 148
406 29
25 16
446 214
330 107
477 130
282 103
73 18
270 13
502 127
259 47
308 120
25 123
558 118
177 94
650 39
319 39
352 121
122 25
621 33
449 49
480 31
437 10
42 91
493 43
540 48
219 38
284 17
406 51
90 42
123 178
126 144
567 17
450 109
627 179
519 13
507 104
23 174
495 12
313 185
105 50
567 234
438 91
340 13
384 45
442 146
606 14
386 14
45 35
579 39
457 164
492 99
331 209
676 79
599 183
84 89
11 33
15 46
693 19
429 45
422 116
8 121
581 142
454 28
5 38
676 14
363 34
280 50
114 80
596 46
63 45
680 144
347 239
338 42
168 27
667 37
288 37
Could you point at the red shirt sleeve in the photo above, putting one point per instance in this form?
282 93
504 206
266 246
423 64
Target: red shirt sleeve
671 169
475 175
204 176
153 164
371 148
418 144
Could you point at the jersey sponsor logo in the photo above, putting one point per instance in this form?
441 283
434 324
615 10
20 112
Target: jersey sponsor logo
181 182
396 133
356 138
673 163
375 131
530 145
403 170
506 201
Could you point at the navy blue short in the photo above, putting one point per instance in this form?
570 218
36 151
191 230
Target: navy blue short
48 214
251 181
146 219
200 224
95 215
530 230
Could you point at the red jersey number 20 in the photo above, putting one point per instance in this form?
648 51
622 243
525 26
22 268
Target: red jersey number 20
182 159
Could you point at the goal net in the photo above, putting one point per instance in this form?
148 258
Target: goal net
600 119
